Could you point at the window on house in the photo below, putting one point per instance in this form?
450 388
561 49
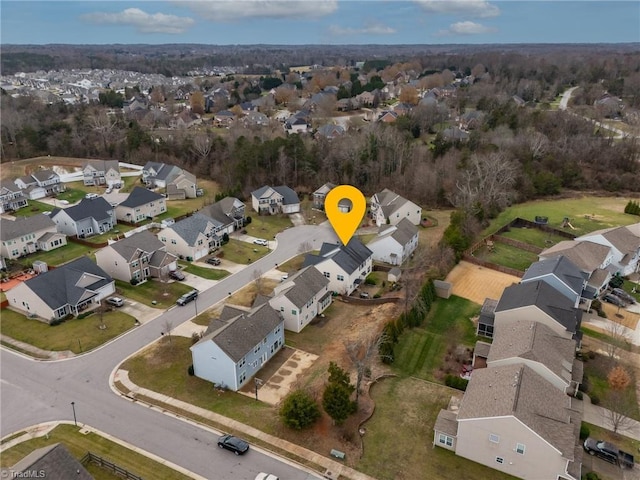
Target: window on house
327 274
257 349
340 278
493 438
499 460
173 242
294 312
520 448
445 440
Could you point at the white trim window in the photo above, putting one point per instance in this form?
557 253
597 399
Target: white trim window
445 440
493 438
499 460
520 448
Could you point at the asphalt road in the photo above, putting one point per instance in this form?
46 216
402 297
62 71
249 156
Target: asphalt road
34 391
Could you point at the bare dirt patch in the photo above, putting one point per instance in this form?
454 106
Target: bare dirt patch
476 283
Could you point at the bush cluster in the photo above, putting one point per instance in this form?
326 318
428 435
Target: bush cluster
632 208
455 381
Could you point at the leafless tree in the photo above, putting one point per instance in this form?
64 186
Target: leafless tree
362 353
168 326
305 247
201 147
619 411
256 275
104 126
618 336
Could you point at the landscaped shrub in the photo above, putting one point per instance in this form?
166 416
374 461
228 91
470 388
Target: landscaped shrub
584 431
595 400
377 295
56 321
247 220
592 476
225 238
370 280
84 315
632 208
299 410
134 281
456 382
579 395
191 371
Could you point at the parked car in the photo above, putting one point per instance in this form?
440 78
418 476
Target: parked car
213 261
235 444
115 301
266 476
284 277
176 275
199 192
618 292
187 297
260 241
364 295
90 196
613 299
609 452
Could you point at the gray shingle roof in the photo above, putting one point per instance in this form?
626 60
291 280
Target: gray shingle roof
623 240
546 298
517 390
189 228
561 267
390 202
305 285
349 257
10 229
402 233
447 423
59 287
96 208
260 191
8 186
289 197
488 311
140 196
324 189
132 246
55 462
587 256
242 333
44 174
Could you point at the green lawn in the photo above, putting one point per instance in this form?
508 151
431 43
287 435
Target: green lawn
399 435
153 290
420 351
533 236
120 228
79 444
623 442
603 212
243 252
266 226
73 194
35 207
77 335
61 255
204 272
507 256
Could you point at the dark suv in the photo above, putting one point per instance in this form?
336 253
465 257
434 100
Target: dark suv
176 275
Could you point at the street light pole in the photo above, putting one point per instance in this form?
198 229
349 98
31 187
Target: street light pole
73 406
195 303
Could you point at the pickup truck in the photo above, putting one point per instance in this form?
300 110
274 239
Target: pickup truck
608 452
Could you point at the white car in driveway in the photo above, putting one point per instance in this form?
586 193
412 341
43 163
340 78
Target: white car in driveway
260 241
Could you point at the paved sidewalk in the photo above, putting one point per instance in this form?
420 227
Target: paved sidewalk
333 469
38 353
597 415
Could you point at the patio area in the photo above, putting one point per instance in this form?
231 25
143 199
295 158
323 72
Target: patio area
8 283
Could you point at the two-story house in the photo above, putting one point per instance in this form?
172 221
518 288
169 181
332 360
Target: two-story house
320 194
394 243
624 244
12 198
26 235
140 205
301 298
229 211
345 266
237 345
175 180
272 200
65 290
89 217
388 207
41 183
139 256
192 237
101 172
561 273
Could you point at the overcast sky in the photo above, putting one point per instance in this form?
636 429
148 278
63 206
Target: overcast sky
295 22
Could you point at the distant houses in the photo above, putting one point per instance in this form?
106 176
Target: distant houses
273 200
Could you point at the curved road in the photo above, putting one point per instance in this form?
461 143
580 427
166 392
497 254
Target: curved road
36 391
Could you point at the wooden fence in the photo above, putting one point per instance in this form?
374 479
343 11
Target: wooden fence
369 301
112 467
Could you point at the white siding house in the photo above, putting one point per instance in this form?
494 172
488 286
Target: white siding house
394 243
388 207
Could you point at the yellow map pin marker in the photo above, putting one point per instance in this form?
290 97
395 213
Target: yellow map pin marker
345 223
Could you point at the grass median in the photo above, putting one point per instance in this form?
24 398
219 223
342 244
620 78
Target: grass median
164 294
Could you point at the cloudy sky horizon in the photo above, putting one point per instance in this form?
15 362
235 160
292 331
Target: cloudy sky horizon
300 22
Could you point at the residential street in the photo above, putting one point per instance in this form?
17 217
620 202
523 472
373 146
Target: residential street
35 391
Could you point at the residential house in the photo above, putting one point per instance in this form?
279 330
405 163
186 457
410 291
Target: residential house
320 194
162 175
141 204
301 298
12 198
388 207
369 99
471 120
387 116
624 244
255 119
454 134
65 290
92 216
539 301
514 420
41 183
53 462
329 131
224 119
295 124
591 258
561 274
487 317
137 257
192 237
229 211
237 345
101 172
26 235
186 119
552 356
346 266
394 243
272 200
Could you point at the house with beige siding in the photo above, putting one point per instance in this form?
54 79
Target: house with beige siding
192 237
91 216
26 235
624 244
139 256
141 204
12 198
101 172
41 183
229 212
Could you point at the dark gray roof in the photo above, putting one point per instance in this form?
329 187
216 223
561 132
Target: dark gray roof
289 197
488 311
260 191
58 287
402 233
241 334
44 174
349 257
217 212
168 172
54 462
587 256
9 185
10 229
546 298
305 285
190 227
96 208
103 165
132 246
140 196
561 267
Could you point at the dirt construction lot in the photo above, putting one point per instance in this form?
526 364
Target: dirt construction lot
476 283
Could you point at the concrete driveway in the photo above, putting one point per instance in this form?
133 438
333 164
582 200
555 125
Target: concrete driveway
297 219
199 283
139 311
